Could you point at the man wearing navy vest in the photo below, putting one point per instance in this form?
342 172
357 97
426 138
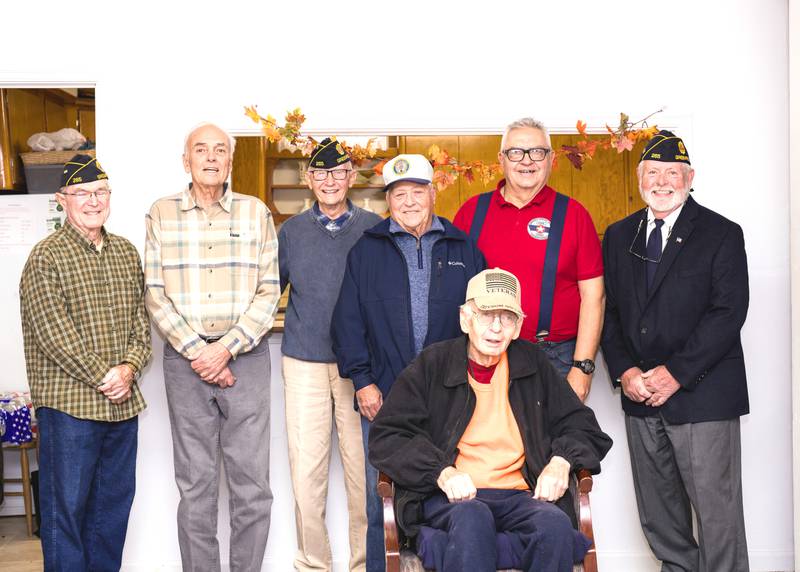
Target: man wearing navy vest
677 297
549 242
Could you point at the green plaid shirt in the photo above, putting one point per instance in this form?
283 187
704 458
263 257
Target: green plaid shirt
82 314
211 272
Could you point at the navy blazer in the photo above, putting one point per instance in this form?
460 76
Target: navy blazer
689 321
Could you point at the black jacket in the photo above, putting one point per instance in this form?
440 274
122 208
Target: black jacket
690 319
416 433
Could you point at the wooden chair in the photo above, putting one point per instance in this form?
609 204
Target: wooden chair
25 480
397 554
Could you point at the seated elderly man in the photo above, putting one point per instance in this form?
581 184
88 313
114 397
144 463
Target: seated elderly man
480 435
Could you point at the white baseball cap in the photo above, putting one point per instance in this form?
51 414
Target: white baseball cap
414 168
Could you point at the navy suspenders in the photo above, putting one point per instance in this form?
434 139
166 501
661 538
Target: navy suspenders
480 215
550 259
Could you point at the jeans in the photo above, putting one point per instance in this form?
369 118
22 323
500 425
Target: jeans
87 472
376 554
560 354
540 534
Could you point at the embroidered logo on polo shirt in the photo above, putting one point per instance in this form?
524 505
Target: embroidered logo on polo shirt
539 228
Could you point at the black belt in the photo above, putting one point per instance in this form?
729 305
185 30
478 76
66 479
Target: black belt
210 339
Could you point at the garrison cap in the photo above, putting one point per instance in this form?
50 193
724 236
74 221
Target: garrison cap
82 169
328 154
666 147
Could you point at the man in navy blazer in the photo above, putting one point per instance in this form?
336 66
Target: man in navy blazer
676 300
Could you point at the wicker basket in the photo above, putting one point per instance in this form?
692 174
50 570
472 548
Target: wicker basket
52 157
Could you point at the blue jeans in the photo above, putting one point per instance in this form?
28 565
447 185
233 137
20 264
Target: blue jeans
560 354
87 479
376 553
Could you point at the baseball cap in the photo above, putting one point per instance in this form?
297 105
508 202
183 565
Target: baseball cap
495 289
414 168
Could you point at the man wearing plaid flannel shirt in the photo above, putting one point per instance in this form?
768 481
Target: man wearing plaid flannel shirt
212 289
86 338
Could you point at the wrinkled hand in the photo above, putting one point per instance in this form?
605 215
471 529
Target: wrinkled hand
456 485
661 384
224 379
580 383
116 384
210 360
633 385
553 480
370 400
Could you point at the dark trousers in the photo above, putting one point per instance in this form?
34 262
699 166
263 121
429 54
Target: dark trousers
680 467
541 535
87 473
376 552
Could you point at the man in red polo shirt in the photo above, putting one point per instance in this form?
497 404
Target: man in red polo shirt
560 268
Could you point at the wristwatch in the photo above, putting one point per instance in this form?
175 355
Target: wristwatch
585 365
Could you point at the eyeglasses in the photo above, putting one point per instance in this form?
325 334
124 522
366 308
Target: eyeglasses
100 194
515 154
337 174
507 319
643 222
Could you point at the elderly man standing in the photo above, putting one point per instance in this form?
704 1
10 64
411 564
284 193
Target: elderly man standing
86 339
677 287
549 242
403 283
313 249
480 435
211 271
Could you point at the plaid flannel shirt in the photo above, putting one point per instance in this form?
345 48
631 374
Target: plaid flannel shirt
211 272
82 314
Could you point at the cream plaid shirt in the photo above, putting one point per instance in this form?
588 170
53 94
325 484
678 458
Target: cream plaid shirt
211 272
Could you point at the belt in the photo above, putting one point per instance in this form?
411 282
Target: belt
210 339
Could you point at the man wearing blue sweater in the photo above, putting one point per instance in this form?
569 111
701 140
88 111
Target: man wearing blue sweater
312 251
403 284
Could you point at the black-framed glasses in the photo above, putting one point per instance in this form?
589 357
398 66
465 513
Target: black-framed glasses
337 174
101 194
643 222
507 319
516 154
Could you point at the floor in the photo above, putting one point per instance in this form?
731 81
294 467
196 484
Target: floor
18 552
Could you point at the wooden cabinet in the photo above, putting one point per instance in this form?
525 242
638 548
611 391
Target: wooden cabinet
606 186
24 112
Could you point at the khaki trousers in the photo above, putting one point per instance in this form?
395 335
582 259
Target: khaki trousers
315 398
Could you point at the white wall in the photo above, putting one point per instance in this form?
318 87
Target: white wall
719 67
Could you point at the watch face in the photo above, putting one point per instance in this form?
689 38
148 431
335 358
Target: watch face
586 366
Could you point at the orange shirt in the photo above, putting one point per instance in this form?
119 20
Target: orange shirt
491 451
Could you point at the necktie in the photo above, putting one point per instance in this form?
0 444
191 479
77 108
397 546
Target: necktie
653 251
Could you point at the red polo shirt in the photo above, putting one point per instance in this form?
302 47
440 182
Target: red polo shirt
515 239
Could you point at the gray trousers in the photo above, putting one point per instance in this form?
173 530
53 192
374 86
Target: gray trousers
210 424
680 467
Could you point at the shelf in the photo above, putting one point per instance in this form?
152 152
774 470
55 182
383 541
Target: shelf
305 187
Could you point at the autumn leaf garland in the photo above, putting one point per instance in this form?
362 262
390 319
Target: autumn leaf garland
447 168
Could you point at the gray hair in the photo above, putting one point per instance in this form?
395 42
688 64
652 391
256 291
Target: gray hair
525 123
231 138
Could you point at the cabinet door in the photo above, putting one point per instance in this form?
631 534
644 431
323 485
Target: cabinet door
26 116
447 201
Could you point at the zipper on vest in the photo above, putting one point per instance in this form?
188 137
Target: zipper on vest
419 253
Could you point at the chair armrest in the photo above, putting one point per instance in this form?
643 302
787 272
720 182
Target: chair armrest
390 536
585 483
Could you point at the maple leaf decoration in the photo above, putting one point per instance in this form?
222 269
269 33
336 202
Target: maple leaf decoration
447 168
